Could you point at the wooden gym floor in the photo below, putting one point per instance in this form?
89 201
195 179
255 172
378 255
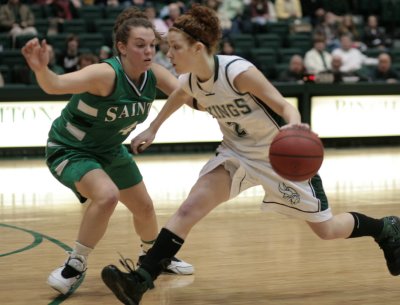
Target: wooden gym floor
242 256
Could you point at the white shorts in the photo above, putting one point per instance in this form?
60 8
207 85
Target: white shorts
304 200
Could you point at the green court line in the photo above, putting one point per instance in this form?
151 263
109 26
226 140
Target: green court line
38 238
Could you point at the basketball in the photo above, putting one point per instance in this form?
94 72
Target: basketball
296 154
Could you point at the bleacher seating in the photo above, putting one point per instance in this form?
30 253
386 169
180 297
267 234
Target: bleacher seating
270 48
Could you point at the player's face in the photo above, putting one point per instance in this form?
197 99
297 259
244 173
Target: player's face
180 53
140 48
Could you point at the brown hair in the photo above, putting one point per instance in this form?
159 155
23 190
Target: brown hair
129 18
200 24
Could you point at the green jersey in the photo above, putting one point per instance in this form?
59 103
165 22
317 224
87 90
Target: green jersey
99 124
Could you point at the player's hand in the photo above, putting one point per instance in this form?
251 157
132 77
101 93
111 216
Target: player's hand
296 126
36 54
142 141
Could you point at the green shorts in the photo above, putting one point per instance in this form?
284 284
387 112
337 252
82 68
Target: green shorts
68 165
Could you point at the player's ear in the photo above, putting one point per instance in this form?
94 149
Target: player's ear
121 47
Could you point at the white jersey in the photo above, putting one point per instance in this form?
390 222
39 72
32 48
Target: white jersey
247 124
248 127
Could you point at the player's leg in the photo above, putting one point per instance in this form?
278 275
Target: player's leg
385 231
103 194
209 191
138 201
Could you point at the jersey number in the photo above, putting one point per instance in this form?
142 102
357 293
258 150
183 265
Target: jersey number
127 130
236 127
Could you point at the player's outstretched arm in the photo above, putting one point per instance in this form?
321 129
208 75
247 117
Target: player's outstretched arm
145 138
97 79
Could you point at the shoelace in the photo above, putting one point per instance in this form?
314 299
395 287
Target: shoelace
127 263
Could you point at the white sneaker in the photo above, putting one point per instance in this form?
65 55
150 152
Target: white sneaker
176 266
76 266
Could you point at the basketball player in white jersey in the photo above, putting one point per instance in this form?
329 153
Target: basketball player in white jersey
250 112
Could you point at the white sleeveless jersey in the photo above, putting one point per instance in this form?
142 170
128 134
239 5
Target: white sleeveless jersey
247 124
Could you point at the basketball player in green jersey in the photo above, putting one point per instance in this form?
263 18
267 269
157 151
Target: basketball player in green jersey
248 110
85 151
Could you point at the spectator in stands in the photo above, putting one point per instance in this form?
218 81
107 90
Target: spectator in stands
352 57
295 72
339 76
53 66
174 11
234 11
256 15
161 56
105 52
313 10
70 56
159 24
225 22
227 47
318 59
328 27
384 71
87 59
347 26
17 19
288 9
374 35
61 10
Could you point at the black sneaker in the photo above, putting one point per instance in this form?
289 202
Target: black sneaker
127 287
389 242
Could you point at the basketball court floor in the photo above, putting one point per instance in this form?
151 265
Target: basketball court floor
242 255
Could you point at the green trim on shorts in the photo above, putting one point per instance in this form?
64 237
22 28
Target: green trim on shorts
316 183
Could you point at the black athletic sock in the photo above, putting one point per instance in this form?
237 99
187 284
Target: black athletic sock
166 246
366 226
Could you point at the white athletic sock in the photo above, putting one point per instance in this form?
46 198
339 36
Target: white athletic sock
81 249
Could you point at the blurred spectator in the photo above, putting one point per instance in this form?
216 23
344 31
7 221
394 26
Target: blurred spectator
61 10
347 77
161 56
374 35
227 47
17 19
225 22
318 59
87 59
288 9
64 9
256 15
347 26
329 28
159 24
174 11
313 10
352 57
70 55
234 11
295 72
53 66
105 52
384 71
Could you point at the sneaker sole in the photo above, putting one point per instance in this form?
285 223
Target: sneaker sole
111 278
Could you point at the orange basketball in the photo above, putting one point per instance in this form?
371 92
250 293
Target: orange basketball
296 154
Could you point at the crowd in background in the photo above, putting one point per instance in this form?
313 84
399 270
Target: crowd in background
341 33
